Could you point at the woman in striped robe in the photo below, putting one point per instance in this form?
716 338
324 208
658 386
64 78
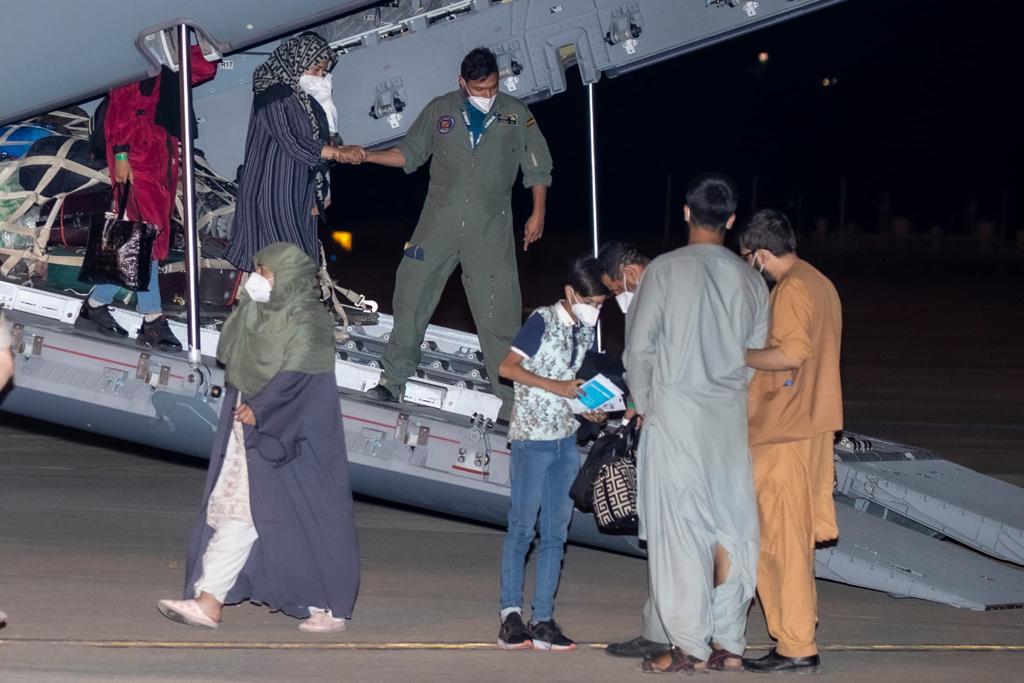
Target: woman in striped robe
283 186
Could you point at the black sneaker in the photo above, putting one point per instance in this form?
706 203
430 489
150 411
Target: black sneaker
99 319
382 393
547 635
514 634
157 334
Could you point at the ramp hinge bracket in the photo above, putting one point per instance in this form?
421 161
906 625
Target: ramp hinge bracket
18 338
142 368
165 374
37 345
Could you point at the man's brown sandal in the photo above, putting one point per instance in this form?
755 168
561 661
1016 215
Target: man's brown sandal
679 662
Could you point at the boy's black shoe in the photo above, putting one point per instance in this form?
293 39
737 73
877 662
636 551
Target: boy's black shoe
773 662
547 635
514 634
99 319
158 335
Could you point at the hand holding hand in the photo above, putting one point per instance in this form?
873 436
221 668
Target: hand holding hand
350 154
534 230
244 414
569 388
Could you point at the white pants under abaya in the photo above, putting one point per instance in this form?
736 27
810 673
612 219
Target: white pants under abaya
225 556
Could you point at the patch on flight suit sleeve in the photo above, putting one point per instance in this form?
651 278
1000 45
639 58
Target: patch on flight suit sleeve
445 124
414 251
531 122
511 119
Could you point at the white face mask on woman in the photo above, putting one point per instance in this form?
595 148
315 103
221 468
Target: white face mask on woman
320 89
259 288
587 314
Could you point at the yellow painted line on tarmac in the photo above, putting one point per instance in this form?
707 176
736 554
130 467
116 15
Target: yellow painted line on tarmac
470 646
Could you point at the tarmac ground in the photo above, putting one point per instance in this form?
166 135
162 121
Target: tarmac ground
93 531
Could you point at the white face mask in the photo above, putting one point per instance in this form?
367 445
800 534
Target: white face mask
320 89
625 297
587 314
258 287
484 104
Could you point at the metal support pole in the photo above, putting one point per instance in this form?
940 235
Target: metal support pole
592 124
188 198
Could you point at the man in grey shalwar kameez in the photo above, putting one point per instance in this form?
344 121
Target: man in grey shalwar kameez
697 311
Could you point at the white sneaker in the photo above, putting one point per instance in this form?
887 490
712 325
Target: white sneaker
322 622
186 612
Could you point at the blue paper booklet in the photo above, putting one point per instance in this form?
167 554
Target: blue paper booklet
598 393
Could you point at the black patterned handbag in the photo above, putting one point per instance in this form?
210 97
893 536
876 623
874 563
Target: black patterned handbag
120 251
607 481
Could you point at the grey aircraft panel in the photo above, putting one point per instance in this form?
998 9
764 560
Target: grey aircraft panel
982 512
873 553
85 47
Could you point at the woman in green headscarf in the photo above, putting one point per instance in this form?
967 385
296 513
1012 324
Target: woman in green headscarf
276 525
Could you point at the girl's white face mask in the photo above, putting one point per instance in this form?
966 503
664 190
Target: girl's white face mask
587 314
258 287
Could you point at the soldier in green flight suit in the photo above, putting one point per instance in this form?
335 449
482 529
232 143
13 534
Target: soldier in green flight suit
479 139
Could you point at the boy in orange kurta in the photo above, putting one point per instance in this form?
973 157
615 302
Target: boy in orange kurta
795 407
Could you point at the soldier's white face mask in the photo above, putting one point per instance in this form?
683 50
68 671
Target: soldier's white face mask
258 287
484 104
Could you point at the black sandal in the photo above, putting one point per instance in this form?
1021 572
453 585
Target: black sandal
717 661
679 662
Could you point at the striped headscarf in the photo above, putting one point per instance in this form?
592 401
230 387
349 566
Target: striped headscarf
285 66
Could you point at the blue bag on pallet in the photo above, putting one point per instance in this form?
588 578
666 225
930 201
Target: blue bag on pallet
16 139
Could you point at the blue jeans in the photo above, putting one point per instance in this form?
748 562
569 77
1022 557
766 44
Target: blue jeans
148 301
542 473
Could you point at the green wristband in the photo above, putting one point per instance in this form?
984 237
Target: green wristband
121 156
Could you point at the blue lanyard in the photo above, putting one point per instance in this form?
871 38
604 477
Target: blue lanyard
474 141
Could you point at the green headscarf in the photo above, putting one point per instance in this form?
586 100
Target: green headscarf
292 331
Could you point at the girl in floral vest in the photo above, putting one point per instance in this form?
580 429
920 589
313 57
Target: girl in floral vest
542 363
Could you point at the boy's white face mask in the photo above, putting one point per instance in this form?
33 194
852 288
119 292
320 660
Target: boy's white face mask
259 288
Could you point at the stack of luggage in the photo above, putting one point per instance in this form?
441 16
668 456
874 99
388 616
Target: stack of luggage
54 187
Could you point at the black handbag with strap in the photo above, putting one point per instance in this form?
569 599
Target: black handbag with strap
119 251
607 482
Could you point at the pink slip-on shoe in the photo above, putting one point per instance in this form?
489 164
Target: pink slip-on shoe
186 612
322 622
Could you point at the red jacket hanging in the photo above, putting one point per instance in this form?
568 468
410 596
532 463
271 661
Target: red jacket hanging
131 127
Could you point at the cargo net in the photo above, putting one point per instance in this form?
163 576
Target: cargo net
52 186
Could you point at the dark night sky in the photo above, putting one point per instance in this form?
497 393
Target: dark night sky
923 114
